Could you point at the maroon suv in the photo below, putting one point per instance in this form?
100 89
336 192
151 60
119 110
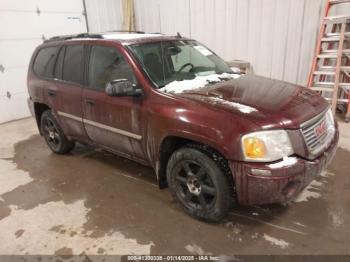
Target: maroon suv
213 135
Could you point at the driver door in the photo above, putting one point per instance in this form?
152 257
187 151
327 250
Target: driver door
112 122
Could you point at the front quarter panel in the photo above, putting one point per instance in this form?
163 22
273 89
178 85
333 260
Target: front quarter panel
174 116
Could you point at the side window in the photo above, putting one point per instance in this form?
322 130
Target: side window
151 56
45 61
59 63
73 64
107 64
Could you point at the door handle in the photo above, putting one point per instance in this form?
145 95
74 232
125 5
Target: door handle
51 93
89 102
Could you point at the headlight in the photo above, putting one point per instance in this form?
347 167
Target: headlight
330 116
266 146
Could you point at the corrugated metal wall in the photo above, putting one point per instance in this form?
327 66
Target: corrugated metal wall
276 36
104 15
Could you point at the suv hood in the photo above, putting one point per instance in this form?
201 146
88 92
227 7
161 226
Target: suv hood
267 102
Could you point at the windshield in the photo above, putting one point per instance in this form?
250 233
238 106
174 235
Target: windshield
178 60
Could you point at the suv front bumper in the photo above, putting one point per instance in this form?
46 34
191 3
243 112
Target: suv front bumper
284 183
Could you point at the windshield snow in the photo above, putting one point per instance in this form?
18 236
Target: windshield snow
197 82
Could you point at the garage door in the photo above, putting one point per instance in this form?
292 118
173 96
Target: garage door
23 26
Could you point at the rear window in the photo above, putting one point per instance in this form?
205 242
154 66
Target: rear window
45 61
73 64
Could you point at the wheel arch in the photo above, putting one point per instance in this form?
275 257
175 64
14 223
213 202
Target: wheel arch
172 143
39 109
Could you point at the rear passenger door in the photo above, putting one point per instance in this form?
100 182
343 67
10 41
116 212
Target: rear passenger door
69 76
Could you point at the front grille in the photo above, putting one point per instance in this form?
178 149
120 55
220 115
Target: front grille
311 130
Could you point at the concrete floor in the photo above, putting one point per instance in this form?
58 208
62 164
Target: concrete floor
93 202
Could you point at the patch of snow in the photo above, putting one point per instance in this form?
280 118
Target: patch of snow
255 235
235 69
127 36
240 107
313 189
337 217
194 249
255 214
327 174
299 224
40 237
37 223
308 193
199 81
276 242
14 132
344 138
11 133
287 161
11 177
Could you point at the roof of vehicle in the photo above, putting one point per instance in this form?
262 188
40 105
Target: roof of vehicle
125 37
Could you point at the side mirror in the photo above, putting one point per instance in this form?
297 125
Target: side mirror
122 87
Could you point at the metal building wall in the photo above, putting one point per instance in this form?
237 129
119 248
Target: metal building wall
276 36
104 15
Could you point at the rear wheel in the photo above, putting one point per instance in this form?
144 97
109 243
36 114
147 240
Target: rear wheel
199 184
53 134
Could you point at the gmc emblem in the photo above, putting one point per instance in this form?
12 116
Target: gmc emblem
320 129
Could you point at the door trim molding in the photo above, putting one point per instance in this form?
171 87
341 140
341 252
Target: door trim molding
112 129
70 116
102 126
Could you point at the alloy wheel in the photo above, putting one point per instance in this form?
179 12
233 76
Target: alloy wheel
194 185
51 134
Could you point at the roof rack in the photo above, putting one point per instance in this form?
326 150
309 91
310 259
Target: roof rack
125 31
67 37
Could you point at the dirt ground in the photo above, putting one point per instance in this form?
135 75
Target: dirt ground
94 202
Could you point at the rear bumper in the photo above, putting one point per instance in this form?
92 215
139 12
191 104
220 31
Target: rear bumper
284 183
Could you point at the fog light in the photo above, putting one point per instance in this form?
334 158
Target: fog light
260 172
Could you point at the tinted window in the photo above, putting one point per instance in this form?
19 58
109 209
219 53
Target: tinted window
107 64
45 61
58 67
73 64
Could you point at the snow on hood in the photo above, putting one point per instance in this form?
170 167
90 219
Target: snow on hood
198 82
240 107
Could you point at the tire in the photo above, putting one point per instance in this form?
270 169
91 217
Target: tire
53 134
199 184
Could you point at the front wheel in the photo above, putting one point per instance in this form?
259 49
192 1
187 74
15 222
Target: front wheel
53 134
199 184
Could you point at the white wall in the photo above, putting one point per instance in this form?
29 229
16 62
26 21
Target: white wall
21 30
104 15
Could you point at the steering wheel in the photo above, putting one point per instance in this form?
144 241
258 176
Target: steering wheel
184 66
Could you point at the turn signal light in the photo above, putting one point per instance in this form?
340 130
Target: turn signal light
254 147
